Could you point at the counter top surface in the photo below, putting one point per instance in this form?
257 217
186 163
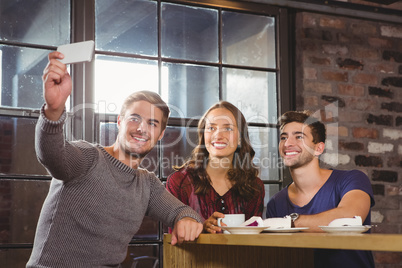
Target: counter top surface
375 242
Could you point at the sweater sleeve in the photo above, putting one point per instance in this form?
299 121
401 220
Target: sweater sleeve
64 160
166 207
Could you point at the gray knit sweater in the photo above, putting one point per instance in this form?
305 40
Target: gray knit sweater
95 203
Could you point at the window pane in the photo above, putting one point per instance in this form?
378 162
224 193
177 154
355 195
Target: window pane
265 144
253 92
21 72
39 22
15 257
126 26
21 202
107 136
189 33
177 145
248 40
17 152
270 190
192 89
149 230
117 77
142 255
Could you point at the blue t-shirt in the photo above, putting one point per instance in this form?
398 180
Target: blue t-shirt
328 197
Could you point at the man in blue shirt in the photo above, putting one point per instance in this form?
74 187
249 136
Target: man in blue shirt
317 196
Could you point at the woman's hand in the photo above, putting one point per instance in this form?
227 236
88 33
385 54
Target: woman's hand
211 224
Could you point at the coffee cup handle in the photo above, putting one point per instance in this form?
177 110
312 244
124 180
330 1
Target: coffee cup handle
219 222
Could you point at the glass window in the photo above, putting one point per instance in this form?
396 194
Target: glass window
21 72
248 40
149 230
14 257
264 141
140 255
118 77
191 89
35 22
17 147
253 92
189 33
176 146
21 202
127 26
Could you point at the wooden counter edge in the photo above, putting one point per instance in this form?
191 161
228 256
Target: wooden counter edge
374 242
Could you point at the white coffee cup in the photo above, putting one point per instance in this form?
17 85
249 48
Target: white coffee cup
232 220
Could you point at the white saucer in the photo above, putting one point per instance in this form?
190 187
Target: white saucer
285 230
345 229
243 229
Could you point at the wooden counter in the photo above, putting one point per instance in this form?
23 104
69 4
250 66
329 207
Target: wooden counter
268 249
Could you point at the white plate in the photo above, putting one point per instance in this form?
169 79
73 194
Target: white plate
243 229
345 229
285 230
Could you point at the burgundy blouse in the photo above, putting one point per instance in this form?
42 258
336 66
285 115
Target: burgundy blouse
180 185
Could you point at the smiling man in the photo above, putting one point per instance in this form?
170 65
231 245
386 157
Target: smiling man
317 196
98 196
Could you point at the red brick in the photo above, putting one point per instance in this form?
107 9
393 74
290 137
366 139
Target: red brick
395 161
391 31
344 37
318 87
335 49
385 68
353 146
366 79
309 46
366 53
310 73
362 104
368 161
311 101
320 61
335 76
309 20
363 28
385 176
392 81
332 23
337 131
379 42
365 133
392 190
351 90
349 64
347 116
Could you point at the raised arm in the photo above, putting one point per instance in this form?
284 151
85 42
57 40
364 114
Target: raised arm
57 86
64 160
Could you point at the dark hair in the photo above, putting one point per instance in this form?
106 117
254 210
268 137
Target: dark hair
243 172
150 97
305 117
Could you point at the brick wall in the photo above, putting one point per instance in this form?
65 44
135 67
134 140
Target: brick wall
350 72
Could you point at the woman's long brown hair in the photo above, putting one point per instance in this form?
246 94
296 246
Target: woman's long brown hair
242 173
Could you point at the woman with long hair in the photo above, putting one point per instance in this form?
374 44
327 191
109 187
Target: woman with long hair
220 177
